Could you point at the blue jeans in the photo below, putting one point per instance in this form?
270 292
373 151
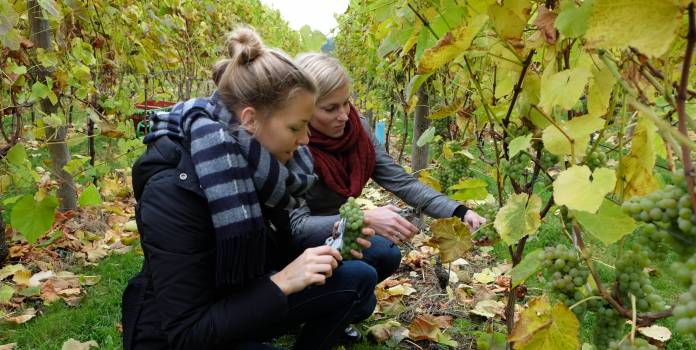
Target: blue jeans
383 255
326 310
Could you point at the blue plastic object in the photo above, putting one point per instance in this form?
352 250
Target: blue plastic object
379 131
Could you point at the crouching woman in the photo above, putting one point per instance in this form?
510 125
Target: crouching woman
213 190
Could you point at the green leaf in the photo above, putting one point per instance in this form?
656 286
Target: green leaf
563 89
50 7
518 218
491 341
8 17
572 20
618 24
39 90
426 137
451 237
450 46
608 225
579 129
416 83
441 112
11 39
527 267
544 327
6 292
510 18
90 196
599 91
574 188
33 219
469 189
30 291
17 155
519 144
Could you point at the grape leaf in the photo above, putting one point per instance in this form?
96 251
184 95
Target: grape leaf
415 83
618 24
563 89
6 292
544 21
90 196
452 238
510 18
427 178
8 17
572 20
426 137
574 188
527 267
17 155
636 172
579 129
609 224
599 91
542 326
450 46
33 218
468 188
518 218
519 144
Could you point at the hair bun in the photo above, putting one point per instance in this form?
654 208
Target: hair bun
244 45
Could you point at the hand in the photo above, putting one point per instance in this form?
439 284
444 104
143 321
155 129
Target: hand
473 220
313 266
366 232
387 223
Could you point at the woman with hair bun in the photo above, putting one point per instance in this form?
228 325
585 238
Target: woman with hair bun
214 188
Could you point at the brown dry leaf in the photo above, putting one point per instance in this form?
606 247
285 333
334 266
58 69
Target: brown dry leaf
49 293
489 308
10 270
444 321
503 281
545 22
9 346
24 317
22 277
390 331
39 277
424 327
659 333
73 301
69 292
18 251
402 289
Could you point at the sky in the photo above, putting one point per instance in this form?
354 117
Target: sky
318 14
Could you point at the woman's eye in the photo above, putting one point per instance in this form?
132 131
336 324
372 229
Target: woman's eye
330 109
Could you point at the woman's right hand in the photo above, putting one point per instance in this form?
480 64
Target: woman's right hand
387 222
313 266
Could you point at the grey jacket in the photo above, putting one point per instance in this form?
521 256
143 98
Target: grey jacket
312 223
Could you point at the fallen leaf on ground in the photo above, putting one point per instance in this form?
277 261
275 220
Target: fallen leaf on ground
489 308
72 344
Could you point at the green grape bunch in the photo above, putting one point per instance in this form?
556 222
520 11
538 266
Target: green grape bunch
567 274
350 211
514 131
685 312
608 326
515 168
596 160
548 160
453 170
634 280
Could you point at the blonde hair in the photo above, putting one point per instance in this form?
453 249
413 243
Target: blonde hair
256 76
327 71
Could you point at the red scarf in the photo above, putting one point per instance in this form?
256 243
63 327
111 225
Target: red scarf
345 163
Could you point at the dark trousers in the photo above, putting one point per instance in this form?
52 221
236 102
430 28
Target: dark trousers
326 310
384 256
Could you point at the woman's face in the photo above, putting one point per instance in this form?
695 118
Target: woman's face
285 129
331 112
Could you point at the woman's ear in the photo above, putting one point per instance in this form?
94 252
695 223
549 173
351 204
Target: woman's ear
248 119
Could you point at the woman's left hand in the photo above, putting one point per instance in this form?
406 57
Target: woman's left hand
366 233
473 220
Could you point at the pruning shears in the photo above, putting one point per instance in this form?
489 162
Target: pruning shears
336 239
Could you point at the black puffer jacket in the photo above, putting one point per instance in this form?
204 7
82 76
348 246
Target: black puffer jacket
173 302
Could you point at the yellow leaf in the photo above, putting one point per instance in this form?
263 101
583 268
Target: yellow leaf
599 91
518 218
22 277
636 172
579 129
542 326
452 238
562 89
446 111
510 18
618 24
72 344
450 46
574 189
426 178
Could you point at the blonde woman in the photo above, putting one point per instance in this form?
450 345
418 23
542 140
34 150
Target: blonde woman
214 189
346 155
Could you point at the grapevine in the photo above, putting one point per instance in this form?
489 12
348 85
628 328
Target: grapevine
354 224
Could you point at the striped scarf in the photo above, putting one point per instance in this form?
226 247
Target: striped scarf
236 173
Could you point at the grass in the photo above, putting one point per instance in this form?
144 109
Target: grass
96 318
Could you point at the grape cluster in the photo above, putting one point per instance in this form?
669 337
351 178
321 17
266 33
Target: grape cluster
566 273
651 238
453 170
669 209
634 280
638 344
608 326
548 160
516 166
350 211
685 272
596 160
685 312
